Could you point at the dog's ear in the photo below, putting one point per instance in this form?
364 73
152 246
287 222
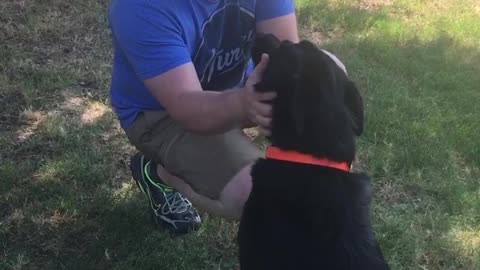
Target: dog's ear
354 103
264 43
298 109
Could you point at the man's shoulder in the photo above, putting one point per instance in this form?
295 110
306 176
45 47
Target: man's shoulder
155 9
140 4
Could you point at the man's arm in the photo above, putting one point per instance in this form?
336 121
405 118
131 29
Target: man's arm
283 27
196 110
210 112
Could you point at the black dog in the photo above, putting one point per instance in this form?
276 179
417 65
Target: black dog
306 209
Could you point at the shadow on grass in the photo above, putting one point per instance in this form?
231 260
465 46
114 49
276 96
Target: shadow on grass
422 104
66 197
334 19
73 205
421 94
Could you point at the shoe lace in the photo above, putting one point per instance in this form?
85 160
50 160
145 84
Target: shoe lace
177 203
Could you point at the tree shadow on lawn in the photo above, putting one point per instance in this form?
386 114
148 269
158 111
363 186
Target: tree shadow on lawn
72 204
421 95
421 117
66 198
323 20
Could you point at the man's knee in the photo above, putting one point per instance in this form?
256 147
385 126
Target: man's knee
209 164
236 192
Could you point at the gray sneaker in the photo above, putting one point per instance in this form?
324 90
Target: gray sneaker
169 208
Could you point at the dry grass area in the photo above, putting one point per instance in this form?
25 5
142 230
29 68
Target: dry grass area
373 4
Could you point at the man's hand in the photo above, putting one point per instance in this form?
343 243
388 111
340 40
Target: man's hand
258 111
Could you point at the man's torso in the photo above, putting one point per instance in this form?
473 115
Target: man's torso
218 35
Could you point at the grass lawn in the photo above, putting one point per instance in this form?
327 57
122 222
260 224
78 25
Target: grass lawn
67 200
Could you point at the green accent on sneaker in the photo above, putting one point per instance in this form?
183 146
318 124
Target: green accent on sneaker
146 171
141 188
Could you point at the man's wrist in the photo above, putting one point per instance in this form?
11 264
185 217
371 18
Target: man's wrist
238 106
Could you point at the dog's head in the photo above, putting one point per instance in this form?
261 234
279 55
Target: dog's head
318 109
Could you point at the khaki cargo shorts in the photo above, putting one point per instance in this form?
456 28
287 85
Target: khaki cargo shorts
206 163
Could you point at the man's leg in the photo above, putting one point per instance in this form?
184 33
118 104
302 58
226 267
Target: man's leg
215 169
232 198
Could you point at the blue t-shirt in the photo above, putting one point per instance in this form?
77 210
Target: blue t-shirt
151 37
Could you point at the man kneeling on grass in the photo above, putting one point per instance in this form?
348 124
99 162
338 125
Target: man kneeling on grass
181 92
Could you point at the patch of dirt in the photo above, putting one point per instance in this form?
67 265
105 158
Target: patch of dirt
73 102
372 4
358 165
394 193
31 120
315 36
93 112
53 220
390 193
252 133
12 104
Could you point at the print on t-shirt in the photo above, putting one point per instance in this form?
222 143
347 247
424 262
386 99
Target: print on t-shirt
224 51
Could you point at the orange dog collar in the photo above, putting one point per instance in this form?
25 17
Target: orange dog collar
274 152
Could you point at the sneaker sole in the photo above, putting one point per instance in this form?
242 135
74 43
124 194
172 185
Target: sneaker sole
168 224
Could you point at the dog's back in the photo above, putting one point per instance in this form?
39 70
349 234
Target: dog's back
306 217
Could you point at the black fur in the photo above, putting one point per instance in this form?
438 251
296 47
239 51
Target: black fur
301 216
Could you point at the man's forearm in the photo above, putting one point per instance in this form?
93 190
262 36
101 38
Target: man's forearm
210 112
